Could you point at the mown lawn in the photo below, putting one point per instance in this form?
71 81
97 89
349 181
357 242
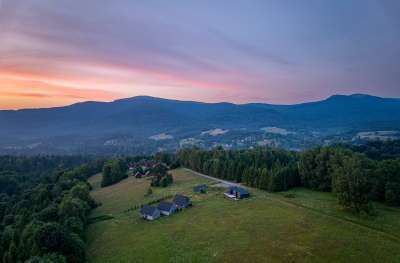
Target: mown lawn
116 199
387 218
265 228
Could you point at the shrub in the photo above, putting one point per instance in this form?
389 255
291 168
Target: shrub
289 195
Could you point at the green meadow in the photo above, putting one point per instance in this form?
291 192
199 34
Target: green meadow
295 226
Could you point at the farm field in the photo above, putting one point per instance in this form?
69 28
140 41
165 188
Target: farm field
265 228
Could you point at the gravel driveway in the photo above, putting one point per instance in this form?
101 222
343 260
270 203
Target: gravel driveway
221 183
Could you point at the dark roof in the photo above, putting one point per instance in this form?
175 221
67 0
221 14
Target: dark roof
241 190
148 210
200 187
181 200
165 206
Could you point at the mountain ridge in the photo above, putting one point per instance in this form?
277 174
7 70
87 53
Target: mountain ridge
153 98
141 117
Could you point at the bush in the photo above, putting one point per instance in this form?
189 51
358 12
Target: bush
149 192
96 219
289 195
162 180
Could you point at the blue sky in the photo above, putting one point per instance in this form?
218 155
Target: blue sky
59 52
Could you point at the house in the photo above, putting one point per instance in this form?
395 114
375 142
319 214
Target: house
150 212
133 167
200 188
167 208
138 175
237 193
182 201
160 165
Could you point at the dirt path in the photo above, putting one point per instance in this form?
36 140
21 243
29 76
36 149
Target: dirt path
222 183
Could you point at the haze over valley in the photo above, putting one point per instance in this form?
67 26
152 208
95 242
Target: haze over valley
146 125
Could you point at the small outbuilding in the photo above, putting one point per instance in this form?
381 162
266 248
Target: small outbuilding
167 208
138 175
150 212
182 201
200 188
237 193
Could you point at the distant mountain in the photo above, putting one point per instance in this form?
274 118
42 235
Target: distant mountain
356 111
89 125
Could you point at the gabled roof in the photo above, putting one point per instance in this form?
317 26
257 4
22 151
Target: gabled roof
181 200
165 206
148 210
237 189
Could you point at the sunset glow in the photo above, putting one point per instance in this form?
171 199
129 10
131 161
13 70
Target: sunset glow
55 53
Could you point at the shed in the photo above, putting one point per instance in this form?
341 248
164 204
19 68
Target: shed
200 188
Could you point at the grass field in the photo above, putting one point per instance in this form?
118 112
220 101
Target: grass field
265 228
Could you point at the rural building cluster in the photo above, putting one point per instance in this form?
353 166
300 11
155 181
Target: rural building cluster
147 168
165 208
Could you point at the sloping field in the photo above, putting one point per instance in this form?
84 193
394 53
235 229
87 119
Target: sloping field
265 228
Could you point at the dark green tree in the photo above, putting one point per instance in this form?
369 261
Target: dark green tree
351 183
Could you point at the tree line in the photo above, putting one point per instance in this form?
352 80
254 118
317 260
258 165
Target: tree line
44 213
356 179
268 169
114 170
378 150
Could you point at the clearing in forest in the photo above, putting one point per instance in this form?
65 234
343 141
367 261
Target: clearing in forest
309 227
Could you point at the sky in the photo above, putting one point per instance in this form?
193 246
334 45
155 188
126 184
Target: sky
55 53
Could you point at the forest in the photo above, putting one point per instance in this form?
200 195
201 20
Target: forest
44 204
357 175
45 200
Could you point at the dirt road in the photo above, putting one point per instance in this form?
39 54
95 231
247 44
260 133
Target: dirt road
222 183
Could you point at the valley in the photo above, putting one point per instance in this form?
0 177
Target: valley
145 125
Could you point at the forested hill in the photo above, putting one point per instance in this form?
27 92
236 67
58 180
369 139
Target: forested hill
93 126
44 204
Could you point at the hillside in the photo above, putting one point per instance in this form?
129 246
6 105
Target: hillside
266 227
108 127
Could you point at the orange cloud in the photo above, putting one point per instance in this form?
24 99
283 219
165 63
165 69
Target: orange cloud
27 82
25 93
